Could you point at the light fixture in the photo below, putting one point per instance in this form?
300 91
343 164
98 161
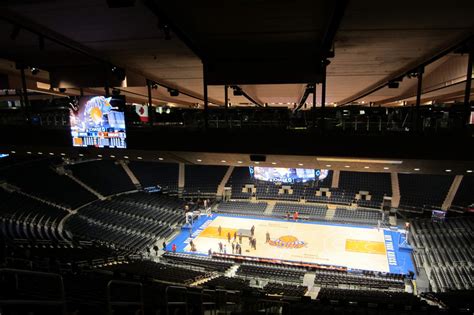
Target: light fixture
125 157
29 152
51 153
416 169
41 42
80 154
469 171
240 162
448 171
346 166
34 70
366 167
40 153
15 32
237 91
166 31
386 168
199 160
257 162
328 165
393 85
223 161
274 163
63 154
139 157
13 152
160 159
112 156
118 72
300 164
173 92
347 160
99 155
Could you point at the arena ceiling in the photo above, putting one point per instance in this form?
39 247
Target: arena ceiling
244 42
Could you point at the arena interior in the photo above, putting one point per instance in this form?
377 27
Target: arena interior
246 157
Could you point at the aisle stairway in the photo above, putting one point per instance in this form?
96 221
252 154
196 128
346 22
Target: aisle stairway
452 192
130 174
270 205
88 188
395 190
220 188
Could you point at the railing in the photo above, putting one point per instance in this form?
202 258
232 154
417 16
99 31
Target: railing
112 303
37 299
352 119
176 304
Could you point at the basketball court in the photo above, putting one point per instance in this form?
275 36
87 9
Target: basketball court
339 245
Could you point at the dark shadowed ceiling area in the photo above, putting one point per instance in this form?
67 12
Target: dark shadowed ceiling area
271 49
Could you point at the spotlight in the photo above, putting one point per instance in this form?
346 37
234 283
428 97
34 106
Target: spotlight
120 3
168 110
237 91
41 42
173 92
166 30
393 85
15 32
34 71
118 72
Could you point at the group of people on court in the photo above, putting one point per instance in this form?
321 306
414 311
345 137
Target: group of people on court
295 215
232 239
236 248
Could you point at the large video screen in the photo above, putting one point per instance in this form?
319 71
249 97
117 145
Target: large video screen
98 121
287 175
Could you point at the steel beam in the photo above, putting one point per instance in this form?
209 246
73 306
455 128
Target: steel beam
416 120
314 105
467 91
206 100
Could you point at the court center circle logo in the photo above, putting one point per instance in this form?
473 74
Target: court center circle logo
287 241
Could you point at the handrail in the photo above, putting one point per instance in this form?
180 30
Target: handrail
176 303
267 302
111 303
16 272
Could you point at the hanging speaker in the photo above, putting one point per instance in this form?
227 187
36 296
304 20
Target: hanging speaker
257 158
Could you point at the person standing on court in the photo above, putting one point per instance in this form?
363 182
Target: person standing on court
295 216
233 248
219 229
173 248
228 237
240 238
235 236
252 230
268 237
